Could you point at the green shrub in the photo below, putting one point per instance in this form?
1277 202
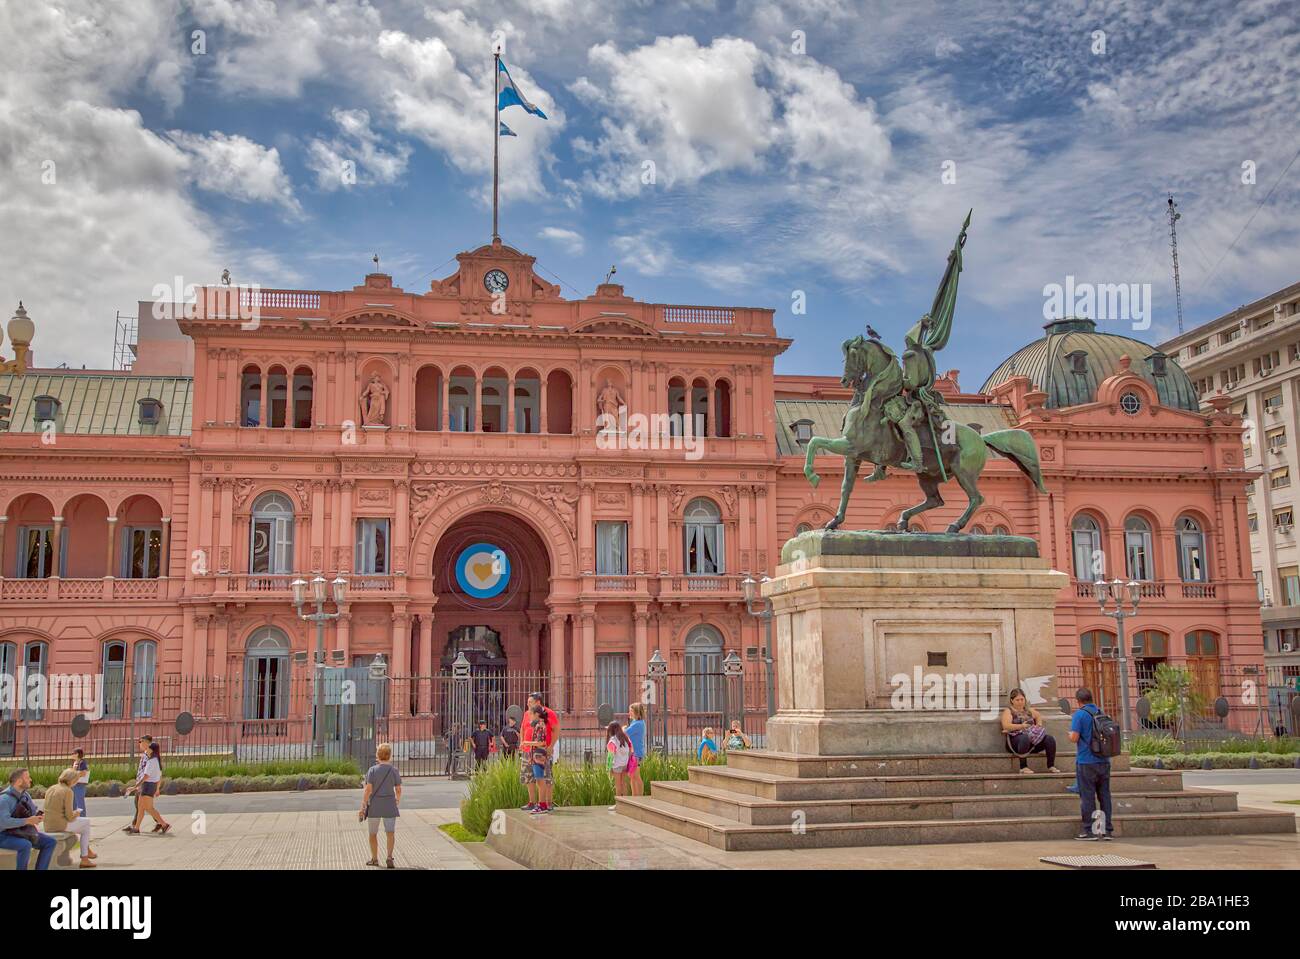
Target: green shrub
1147 744
459 833
177 767
495 785
1220 760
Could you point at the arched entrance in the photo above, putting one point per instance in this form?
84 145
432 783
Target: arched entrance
491 575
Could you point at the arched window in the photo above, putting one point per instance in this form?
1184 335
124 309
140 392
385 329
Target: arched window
35 663
145 661
1191 551
266 675
1202 647
114 670
1089 560
271 540
802 528
250 397
303 391
9 676
1001 531
703 670
977 530
1138 554
702 536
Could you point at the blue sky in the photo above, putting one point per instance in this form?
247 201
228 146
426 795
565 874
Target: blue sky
796 147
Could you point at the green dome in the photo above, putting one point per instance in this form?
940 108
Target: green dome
1073 359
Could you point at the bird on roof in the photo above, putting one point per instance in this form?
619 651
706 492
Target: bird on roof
872 333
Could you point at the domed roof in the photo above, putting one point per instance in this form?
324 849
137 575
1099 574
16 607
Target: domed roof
1073 358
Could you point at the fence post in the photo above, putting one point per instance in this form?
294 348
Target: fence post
733 691
460 708
657 701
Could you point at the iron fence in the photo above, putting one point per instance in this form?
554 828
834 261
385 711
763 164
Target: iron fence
1220 702
269 716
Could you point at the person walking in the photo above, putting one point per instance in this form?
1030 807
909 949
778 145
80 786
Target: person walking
636 732
19 818
61 814
83 779
142 744
379 802
482 739
1093 770
146 788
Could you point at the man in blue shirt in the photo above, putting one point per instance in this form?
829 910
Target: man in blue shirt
18 816
1093 770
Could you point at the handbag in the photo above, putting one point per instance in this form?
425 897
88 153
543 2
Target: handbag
25 809
364 813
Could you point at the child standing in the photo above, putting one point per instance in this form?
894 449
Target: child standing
620 758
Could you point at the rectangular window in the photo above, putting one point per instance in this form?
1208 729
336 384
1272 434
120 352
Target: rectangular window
372 546
611 680
1273 401
1279 478
705 548
1201 348
1229 335
1282 518
1288 578
611 549
36 554
1252 522
141 552
1277 438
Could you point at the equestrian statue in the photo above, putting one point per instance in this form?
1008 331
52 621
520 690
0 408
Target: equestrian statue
895 418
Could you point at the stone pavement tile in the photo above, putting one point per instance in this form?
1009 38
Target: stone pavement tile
277 841
620 842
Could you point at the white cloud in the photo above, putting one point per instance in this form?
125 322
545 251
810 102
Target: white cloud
569 240
359 146
237 167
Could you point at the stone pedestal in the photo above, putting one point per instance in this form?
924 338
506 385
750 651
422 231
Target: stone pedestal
892 644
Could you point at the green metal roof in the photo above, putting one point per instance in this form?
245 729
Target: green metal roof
828 417
99 403
1047 365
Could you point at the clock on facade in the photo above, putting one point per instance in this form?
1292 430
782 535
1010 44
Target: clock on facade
496 281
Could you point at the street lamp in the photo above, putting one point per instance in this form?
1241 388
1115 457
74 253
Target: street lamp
1114 591
760 607
319 595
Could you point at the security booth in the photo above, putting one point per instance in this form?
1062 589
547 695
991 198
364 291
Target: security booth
353 696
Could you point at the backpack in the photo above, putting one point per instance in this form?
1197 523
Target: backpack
1106 739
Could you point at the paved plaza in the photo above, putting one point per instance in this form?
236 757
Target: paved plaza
318 830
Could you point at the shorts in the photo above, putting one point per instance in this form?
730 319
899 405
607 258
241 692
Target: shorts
148 789
390 824
533 773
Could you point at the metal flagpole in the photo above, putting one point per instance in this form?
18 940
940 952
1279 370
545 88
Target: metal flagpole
496 138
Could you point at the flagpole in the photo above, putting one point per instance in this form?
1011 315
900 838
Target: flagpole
496 139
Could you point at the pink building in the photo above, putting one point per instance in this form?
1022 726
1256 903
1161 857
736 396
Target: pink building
442 451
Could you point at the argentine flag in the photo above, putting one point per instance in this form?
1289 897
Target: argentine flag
510 94
506 131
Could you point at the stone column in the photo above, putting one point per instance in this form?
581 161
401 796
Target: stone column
4 523
165 549
639 563
345 526
317 559
710 414
402 392
542 402
586 529
264 402
478 403
109 566
510 404
588 656
402 531
555 623
227 524
425 667
641 645
662 546
444 410
400 660
221 645
343 634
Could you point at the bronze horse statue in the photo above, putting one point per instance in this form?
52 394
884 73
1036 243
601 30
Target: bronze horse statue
869 436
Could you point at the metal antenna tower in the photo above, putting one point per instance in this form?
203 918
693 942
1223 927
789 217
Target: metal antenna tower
1174 216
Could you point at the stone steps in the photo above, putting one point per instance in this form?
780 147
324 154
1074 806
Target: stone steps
753 810
772 800
782 788
725 833
821 767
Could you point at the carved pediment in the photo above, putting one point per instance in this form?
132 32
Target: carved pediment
615 325
522 282
377 317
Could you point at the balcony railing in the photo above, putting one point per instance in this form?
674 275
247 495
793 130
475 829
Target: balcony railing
81 588
1155 590
281 584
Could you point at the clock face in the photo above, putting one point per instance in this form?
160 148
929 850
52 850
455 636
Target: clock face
496 281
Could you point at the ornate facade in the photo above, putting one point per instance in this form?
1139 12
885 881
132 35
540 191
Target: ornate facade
444 451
